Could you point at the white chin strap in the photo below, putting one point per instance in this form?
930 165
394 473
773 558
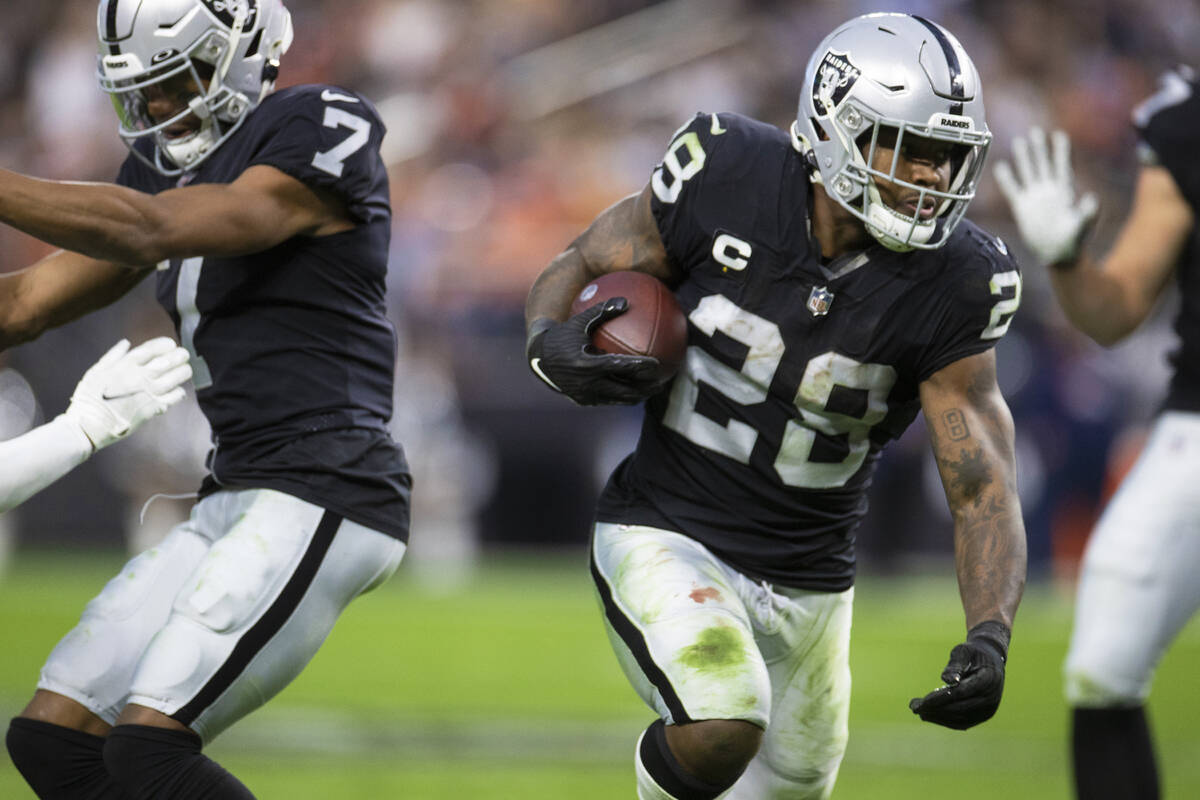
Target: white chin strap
893 230
189 149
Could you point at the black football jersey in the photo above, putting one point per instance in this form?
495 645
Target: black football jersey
797 372
1169 125
292 351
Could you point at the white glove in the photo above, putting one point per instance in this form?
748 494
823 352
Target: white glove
127 387
1052 220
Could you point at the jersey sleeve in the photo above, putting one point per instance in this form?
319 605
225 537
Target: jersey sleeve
978 298
1168 123
328 138
694 178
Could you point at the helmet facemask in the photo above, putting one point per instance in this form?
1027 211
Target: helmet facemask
217 106
857 185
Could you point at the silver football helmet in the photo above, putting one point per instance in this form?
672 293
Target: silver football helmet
901 76
229 48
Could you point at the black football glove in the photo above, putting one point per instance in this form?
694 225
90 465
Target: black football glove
974 680
562 355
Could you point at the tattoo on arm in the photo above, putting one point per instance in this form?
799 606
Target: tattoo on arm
974 447
956 425
623 237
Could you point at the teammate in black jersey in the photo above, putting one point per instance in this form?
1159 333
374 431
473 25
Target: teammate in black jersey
265 220
833 290
1138 587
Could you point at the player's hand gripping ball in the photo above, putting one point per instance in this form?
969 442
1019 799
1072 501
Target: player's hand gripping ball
654 325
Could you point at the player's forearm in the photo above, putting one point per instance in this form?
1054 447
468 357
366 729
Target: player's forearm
624 237
1096 303
974 444
990 556
552 292
104 221
61 287
32 461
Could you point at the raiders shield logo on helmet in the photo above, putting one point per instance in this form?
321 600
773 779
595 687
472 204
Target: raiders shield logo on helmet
833 80
226 10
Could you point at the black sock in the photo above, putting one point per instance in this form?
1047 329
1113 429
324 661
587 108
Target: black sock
60 763
1113 754
156 763
660 762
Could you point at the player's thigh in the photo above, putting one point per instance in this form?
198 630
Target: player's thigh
94 662
258 607
1137 587
678 627
805 639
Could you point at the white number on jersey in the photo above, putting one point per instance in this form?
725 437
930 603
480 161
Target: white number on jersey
746 387
1173 89
669 193
186 289
332 161
1005 309
749 385
821 376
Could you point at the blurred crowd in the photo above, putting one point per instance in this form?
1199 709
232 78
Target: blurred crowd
512 123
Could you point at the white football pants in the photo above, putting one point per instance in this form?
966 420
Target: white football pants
699 640
1138 584
223 614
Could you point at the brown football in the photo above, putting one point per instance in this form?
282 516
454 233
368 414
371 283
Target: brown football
654 325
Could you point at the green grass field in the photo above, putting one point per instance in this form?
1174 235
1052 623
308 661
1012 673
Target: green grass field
506 688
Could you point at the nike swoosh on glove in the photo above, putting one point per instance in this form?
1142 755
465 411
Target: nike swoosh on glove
127 387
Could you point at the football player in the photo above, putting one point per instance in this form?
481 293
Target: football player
1137 588
833 290
116 395
264 218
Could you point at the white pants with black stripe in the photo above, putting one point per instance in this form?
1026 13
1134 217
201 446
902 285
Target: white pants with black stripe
699 640
223 614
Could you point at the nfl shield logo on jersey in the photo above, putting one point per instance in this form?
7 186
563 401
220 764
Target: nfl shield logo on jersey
819 301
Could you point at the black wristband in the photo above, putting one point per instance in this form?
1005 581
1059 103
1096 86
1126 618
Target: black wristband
994 632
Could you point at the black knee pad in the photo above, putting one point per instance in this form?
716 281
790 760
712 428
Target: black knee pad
149 762
658 760
60 763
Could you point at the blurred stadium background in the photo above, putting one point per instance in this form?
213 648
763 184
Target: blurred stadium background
481 670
